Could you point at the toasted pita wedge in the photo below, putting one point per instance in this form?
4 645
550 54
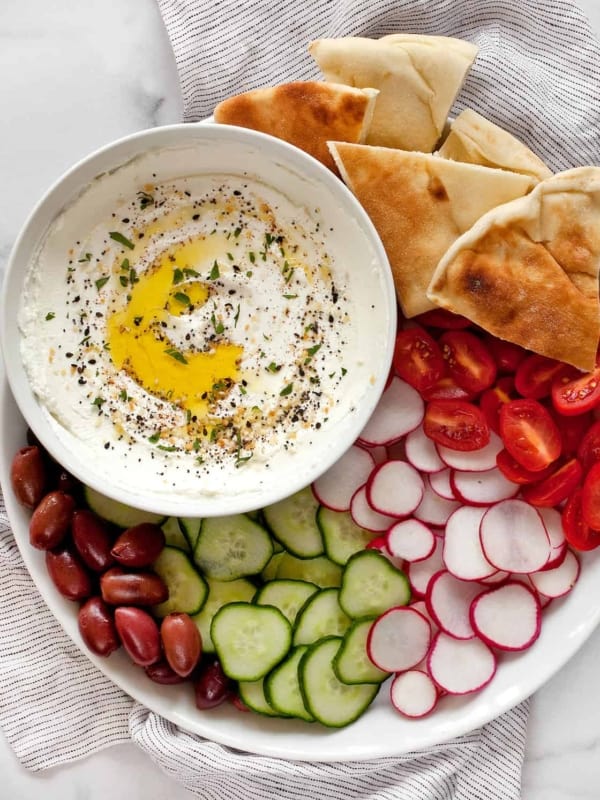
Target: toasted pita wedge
304 113
420 204
528 271
475 140
418 78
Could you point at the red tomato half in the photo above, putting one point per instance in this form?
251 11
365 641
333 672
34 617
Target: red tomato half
535 375
588 451
578 534
446 389
556 487
572 432
590 497
440 318
418 359
468 360
529 433
507 355
456 424
492 400
575 392
517 473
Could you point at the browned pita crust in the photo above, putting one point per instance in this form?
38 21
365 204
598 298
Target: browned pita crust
303 113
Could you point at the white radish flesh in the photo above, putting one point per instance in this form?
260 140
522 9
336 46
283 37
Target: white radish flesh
440 483
421 451
365 516
507 617
413 693
411 540
394 488
473 460
514 537
482 488
398 639
463 554
399 411
434 509
449 600
460 666
335 487
559 581
420 572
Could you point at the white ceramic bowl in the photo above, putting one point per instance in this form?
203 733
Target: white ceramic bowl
83 196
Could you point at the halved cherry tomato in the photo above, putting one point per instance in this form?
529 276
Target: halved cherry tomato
441 318
493 399
507 355
572 431
577 533
556 487
535 375
456 424
529 433
446 389
417 358
574 392
516 472
588 451
590 497
468 360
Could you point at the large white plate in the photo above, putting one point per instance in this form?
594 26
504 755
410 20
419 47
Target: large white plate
381 731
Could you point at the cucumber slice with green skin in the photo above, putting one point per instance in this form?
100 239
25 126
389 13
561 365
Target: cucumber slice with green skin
286 595
341 535
232 547
269 573
190 527
282 687
331 702
321 616
173 534
219 594
293 522
319 570
250 640
187 588
253 695
372 585
352 663
118 513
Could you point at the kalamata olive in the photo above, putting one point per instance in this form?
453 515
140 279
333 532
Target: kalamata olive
139 546
68 573
97 627
51 520
212 687
120 588
66 482
162 673
237 701
28 476
181 642
139 634
93 539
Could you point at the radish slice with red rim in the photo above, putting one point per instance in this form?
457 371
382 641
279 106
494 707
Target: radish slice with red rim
398 639
365 516
413 693
440 483
559 581
433 509
500 576
473 460
420 572
379 452
399 411
395 489
449 600
482 488
460 666
463 554
421 451
508 617
335 487
553 523
411 540
514 537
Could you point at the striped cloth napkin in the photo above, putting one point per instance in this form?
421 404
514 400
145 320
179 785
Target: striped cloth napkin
538 75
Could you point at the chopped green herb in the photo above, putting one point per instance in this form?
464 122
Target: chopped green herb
123 280
242 390
123 395
182 298
237 315
249 274
214 273
288 276
199 461
290 296
273 367
102 282
252 257
87 257
133 278
171 351
314 349
218 326
98 401
154 438
230 256
137 320
190 273
125 264
85 340
344 371
177 276
167 448
196 445
118 237
50 315
237 232
145 200
286 390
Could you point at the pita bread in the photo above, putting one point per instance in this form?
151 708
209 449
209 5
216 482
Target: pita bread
420 204
528 271
475 140
418 78
303 113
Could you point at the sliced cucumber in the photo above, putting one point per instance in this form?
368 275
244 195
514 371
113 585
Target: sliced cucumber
320 616
351 663
286 595
269 573
249 639
330 701
118 513
293 522
341 535
232 547
253 695
187 588
282 687
371 585
319 570
174 535
190 527
219 594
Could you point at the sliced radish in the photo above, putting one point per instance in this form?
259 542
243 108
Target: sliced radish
398 639
558 581
449 600
498 577
379 452
460 666
335 487
473 460
394 488
434 509
411 540
421 607
399 411
508 617
462 553
482 488
413 693
440 483
421 451
420 572
553 523
365 516
514 538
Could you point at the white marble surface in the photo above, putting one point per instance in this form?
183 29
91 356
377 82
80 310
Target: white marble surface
76 74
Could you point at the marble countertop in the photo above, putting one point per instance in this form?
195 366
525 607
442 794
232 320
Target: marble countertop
75 76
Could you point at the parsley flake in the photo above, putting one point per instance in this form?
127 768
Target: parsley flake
50 315
171 351
118 237
102 282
